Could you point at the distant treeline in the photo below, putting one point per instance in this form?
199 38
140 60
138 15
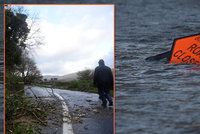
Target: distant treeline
84 82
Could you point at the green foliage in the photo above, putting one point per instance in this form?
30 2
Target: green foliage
85 80
73 84
29 71
14 83
17 57
13 104
85 75
76 85
16 31
23 128
83 83
23 115
19 109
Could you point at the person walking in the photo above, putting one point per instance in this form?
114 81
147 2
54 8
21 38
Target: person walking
103 79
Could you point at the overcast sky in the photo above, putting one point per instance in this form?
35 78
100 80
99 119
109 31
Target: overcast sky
75 37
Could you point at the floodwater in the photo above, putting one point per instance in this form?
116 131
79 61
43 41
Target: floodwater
155 97
1 72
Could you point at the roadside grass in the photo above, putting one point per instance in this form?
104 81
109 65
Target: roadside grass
27 115
24 115
24 128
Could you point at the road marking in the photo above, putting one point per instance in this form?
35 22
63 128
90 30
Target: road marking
67 124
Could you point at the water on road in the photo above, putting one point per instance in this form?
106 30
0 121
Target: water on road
88 117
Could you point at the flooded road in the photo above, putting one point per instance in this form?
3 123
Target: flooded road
88 117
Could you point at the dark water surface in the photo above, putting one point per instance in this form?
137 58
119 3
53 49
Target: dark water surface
156 97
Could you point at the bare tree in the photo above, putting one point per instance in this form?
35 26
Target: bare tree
28 70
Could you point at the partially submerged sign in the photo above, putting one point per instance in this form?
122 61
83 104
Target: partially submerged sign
186 50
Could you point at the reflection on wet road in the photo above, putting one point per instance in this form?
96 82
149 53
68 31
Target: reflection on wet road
88 116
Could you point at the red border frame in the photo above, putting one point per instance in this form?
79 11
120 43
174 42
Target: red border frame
114 26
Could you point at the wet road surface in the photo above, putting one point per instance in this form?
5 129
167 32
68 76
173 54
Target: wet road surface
88 117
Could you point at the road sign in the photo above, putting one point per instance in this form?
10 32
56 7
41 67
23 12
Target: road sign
186 50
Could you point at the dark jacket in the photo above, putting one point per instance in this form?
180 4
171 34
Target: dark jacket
103 77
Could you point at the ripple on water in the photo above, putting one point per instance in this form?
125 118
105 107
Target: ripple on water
155 97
